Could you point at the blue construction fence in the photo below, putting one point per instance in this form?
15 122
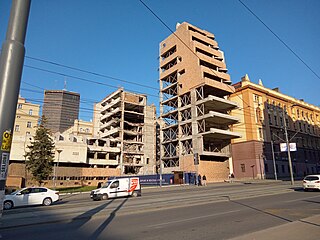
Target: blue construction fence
167 179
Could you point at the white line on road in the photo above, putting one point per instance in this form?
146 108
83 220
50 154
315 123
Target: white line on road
191 219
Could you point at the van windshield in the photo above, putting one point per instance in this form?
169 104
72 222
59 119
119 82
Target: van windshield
106 184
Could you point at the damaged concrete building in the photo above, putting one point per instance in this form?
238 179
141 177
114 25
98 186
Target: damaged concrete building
124 122
194 105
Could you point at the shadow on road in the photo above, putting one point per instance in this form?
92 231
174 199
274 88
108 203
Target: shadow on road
86 216
105 224
258 210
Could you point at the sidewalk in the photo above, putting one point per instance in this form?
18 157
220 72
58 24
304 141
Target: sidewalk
304 229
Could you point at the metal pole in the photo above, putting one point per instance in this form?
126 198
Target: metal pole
55 170
274 162
11 64
288 147
160 179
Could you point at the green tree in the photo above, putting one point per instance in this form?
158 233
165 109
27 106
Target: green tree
40 153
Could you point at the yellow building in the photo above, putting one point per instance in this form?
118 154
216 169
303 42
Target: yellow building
25 126
266 115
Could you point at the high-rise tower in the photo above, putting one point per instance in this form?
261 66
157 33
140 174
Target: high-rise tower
60 108
194 105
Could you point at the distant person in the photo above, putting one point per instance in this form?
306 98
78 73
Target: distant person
199 180
231 177
204 180
99 184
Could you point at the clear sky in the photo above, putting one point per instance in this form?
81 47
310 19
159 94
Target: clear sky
121 39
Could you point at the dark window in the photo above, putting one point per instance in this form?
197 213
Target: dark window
243 168
311 178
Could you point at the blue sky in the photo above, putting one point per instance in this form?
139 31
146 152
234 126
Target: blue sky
121 39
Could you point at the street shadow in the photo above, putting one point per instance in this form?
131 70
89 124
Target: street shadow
86 216
105 224
297 189
258 210
310 201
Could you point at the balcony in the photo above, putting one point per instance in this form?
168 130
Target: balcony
109 105
220 134
216 118
217 104
95 148
110 162
110 132
114 111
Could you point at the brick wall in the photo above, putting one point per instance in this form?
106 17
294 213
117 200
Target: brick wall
214 171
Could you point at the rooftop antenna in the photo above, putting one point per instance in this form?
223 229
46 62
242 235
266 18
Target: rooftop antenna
65 84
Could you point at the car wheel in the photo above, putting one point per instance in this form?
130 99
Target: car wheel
135 194
105 196
7 205
47 202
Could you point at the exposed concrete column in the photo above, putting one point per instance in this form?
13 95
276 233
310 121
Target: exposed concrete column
122 131
196 145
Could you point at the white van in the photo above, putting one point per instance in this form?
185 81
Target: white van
120 187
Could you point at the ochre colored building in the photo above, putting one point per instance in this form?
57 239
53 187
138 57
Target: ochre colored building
266 115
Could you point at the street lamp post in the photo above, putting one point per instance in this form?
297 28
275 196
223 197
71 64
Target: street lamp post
274 162
288 147
55 169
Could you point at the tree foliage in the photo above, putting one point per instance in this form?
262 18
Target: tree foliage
40 155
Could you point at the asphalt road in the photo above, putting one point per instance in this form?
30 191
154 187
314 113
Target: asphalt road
218 211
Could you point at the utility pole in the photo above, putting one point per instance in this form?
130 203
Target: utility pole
274 162
11 64
288 146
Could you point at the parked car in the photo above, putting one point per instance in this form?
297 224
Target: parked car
311 182
30 196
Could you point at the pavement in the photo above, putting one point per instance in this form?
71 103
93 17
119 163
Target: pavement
304 229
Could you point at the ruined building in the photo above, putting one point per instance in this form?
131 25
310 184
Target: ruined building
125 133
194 105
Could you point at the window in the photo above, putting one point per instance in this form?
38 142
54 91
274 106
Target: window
17 128
243 167
270 119
28 124
256 98
30 112
258 114
260 134
115 184
19 106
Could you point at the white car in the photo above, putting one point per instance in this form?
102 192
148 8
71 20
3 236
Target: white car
311 182
30 196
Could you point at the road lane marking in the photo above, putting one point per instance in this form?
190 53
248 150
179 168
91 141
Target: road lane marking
192 219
